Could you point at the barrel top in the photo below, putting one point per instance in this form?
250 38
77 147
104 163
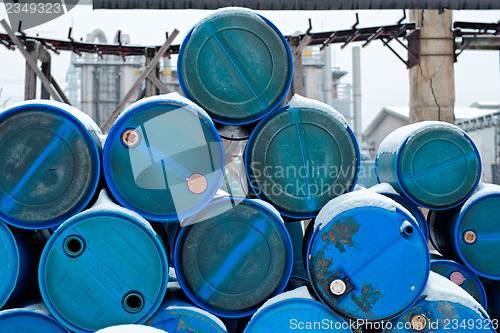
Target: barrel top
19 320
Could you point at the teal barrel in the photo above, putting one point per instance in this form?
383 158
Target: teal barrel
390 192
232 256
163 158
461 276
301 156
49 163
236 65
20 252
443 308
296 311
130 329
468 233
34 318
103 267
435 164
367 258
178 315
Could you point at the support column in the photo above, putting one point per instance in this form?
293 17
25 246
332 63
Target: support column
30 77
151 89
432 81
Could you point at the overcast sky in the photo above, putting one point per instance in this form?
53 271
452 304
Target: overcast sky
384 77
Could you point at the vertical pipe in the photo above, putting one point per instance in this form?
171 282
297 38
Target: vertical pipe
327 76
356 91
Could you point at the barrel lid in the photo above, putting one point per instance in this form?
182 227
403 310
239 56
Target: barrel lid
438 167
18 320
164 160
299 158
102 268
236 65
232 256
461 276
9 270
367 270
414 211
477 239
50 165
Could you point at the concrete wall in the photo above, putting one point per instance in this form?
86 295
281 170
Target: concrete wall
388 124
485 142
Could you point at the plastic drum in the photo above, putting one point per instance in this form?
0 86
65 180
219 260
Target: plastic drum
29 320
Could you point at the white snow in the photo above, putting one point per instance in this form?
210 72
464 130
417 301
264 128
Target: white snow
202 312
300 292
37 307
384 188
227 11
130 329
394 140
439 288
482 190
348 201
269 207
298 101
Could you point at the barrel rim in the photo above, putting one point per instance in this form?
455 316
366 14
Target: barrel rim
14 263
9 313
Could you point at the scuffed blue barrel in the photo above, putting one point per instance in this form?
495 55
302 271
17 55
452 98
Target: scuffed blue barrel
469 233
461 276
236 65
301 156
130 329
443 308
19 256
49 163
367 258
103 267
163 158
435 164
387 190
232 256
31 319
178 315
296 311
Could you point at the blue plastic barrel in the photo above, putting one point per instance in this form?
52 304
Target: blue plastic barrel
232 256
163 158
492 288
103 267
469 233
296 311
32 319
435 164
443 308
178 315
49 163
387 190
367 258
19 252
236 65
461 276
301 156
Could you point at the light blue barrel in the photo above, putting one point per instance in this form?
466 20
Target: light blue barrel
469 233
443 308
19 252
34 318
300 157
296 311
435 164
236 65
367 258
177 315
103 267
163 158
49 163
232 256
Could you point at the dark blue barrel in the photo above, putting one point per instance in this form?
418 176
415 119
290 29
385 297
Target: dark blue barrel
49 163
461 276
435 164
367 258
301 156
236 65
20 253
130 329
32 319
443 308
492 288
232 256
469 233
163 158
103 267
387 190
296 311
178 315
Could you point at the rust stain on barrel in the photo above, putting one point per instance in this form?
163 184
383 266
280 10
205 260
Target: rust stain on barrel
341 233
369 296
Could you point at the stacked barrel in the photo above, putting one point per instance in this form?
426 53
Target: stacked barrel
131 232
